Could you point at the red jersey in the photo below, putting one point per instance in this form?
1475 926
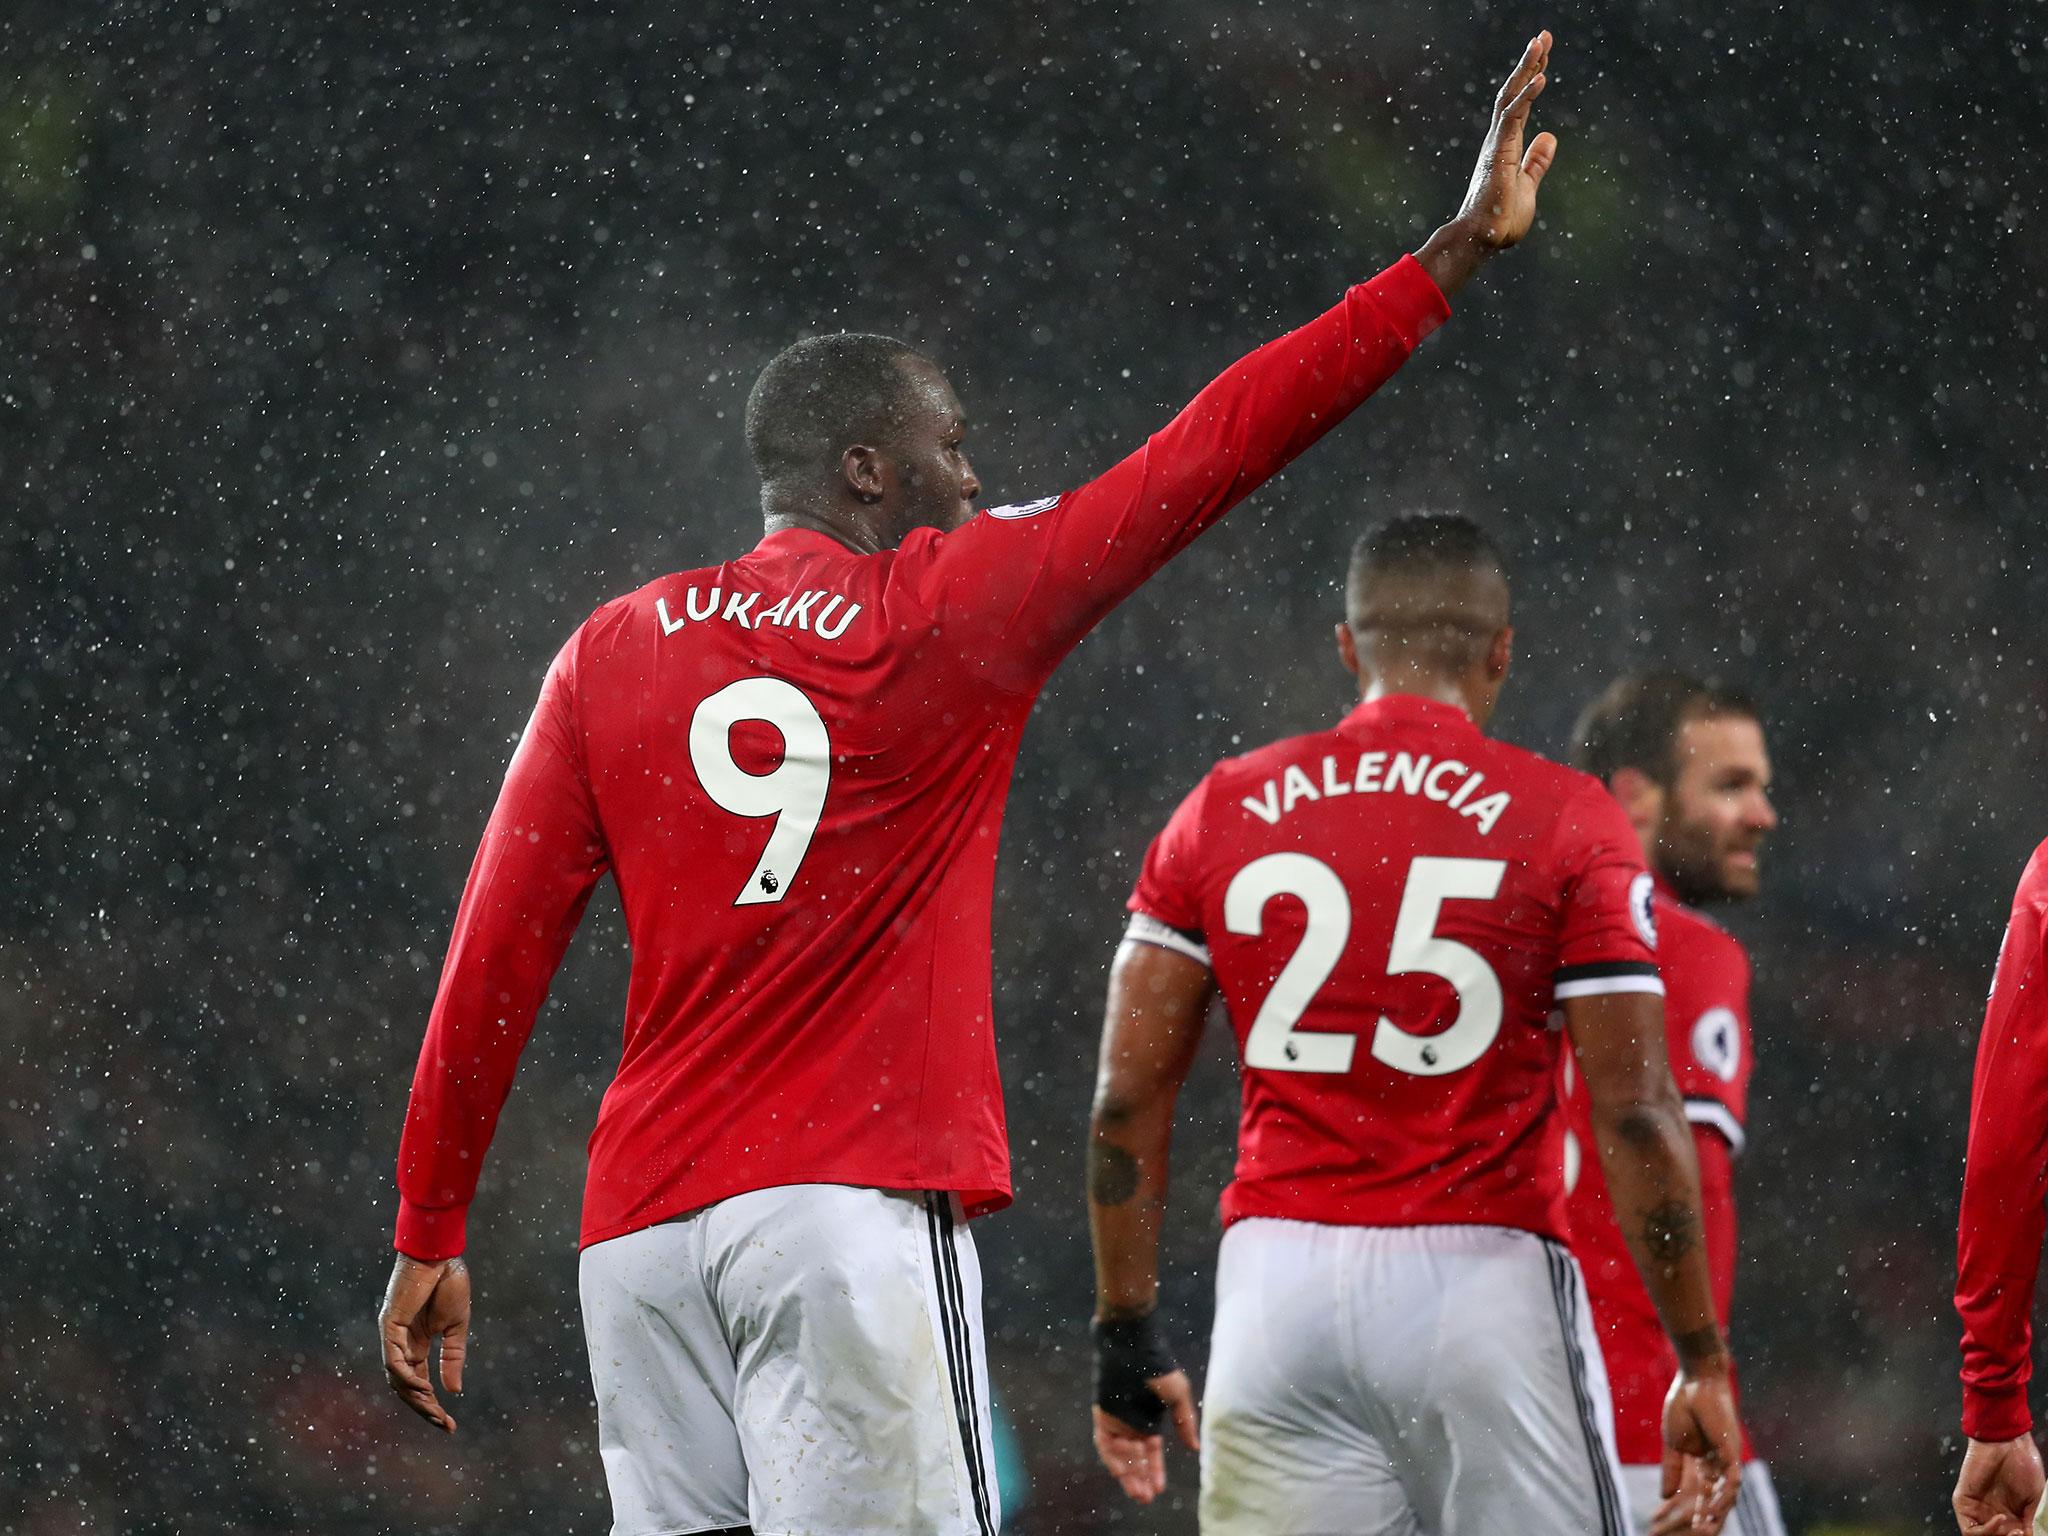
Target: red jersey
1998 1246
1706 1019
794 765
1391 909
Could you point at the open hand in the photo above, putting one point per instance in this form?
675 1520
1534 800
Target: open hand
1500 203
425 1302
1136 1459
1998 1488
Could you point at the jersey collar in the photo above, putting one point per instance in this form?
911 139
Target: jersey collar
1408 709
797 541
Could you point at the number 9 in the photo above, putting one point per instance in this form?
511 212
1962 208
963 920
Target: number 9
793 792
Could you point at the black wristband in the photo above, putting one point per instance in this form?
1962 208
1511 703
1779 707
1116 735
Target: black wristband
1128 1353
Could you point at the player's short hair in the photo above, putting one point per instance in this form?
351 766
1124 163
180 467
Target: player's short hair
1636 721
817 398
1423 548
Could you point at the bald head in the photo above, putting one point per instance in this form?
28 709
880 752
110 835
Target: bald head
1428 592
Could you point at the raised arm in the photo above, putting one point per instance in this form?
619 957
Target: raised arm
1998 1246
1036 577
541 856
1646 1153
1151 1025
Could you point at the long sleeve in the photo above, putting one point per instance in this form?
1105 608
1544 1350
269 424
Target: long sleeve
542 855
2005 1179
1034 578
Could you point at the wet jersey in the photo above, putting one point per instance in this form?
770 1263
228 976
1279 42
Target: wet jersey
1998 1247
1706 1018
794 766
1391 910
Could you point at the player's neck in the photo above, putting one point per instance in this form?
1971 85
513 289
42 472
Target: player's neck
860 527
1419 685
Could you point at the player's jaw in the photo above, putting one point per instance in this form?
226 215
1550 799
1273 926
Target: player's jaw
1706 860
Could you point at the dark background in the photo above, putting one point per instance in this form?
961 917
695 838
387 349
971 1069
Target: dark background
349 356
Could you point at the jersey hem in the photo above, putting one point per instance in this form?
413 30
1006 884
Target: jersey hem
977 1198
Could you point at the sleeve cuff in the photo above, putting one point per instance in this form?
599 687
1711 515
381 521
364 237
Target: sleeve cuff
1996 1413
431 1233
1411 302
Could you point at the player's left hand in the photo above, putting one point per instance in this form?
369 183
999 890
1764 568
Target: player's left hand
1137 1458
425 1302
1999 1487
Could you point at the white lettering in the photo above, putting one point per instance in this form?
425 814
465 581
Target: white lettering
1465 789
668 625
736 608
773 615
800 615
1298 787
1368 778
833 634
1267 809
1332 785
1406 768
1431 786
1488 811
710 609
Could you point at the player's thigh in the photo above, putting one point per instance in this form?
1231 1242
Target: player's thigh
862 1396
1756 1504
1510 1426
1287 1444
663 1375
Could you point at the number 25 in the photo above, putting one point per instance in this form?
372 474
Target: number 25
1275 1045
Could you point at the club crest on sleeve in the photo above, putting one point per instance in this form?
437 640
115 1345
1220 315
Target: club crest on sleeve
1642 906
1717 1042
1017 509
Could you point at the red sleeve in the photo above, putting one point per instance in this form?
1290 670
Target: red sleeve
1706 1011
1998 1243
1717 1214
1607 937
1168 886
1032 579
541 856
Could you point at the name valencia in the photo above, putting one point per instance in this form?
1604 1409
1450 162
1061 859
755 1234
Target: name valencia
1445 780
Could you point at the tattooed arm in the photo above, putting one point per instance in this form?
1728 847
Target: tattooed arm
1646 1153
1153 1021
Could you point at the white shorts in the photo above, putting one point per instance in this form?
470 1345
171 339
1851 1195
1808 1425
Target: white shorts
807 1361
1397 1381
1756 1502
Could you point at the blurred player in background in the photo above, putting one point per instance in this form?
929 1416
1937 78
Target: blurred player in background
1391 909
794 765
1998 1248
1687 764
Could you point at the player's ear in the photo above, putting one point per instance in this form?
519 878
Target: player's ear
1347 648
1500 654
1640 796
865 474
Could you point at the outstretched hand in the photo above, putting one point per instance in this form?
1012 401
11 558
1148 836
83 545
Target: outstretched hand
1999 1487
1500 203
425 1302
1136 1458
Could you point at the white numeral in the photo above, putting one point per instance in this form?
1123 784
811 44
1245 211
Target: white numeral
793 792
1416 947
1275 1045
